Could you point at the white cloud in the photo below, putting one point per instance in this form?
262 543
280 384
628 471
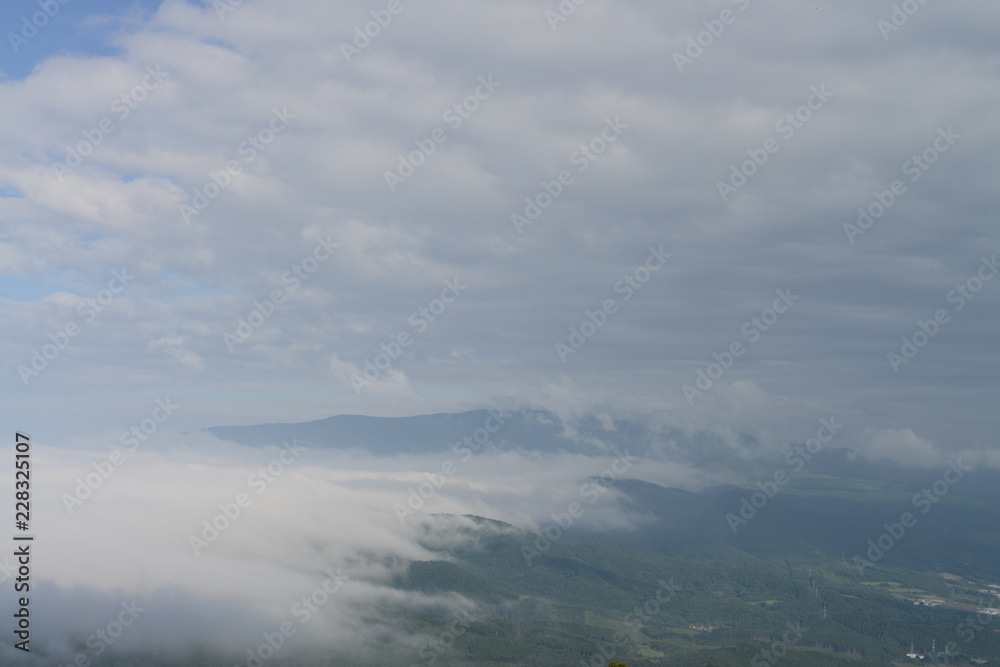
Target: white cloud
655 185
899 446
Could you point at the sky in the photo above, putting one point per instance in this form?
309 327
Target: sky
735 216
704 171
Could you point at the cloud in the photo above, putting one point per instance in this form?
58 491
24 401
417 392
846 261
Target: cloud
175 347
349 123
203 136
899 446
186 522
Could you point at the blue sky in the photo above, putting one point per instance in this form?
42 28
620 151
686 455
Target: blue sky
79 29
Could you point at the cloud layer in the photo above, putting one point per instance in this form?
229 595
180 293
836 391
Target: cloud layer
216 543
278 136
